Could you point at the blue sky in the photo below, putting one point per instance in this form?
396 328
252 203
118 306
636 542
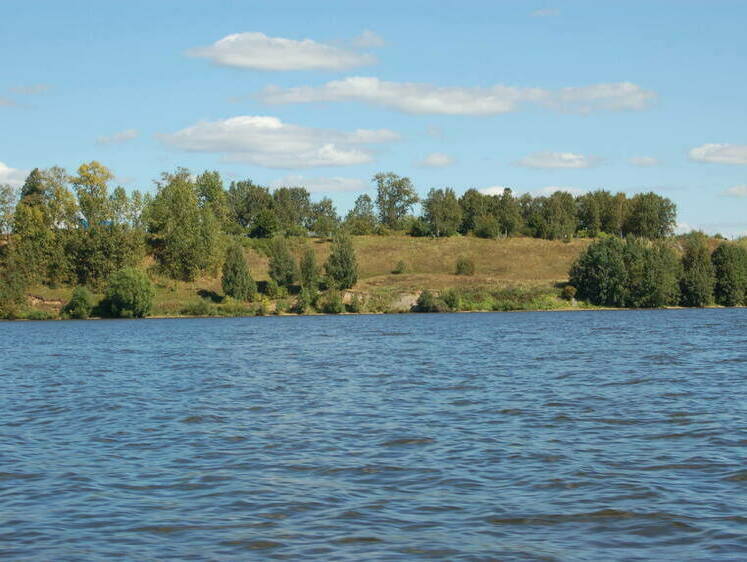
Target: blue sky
627 96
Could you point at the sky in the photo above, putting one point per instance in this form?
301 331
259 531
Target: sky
629 96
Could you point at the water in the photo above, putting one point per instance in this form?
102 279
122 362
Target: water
513 436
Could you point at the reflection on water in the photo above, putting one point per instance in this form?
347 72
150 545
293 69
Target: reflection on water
526 436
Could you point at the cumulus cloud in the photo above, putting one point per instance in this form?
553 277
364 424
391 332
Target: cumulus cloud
644 161
118 138
492 190
258 51
322 184
422 98
267 141
558 160
368 40
544 191
436 160
736 191
12 176
720 153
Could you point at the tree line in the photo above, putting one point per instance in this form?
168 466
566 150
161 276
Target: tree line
640 273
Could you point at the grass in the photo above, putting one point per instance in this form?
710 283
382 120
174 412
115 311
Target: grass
529 267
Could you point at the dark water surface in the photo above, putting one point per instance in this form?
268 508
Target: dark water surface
525 436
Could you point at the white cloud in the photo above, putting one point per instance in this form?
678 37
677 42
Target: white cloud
550 189
118 138
258 51
267 141
421 98
558 160
368 40
31 89
546 13
683 228
12 176
436 160
736 191
322 184
644 161
720 153
492 190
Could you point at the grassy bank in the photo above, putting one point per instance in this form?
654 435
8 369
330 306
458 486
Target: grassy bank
510 274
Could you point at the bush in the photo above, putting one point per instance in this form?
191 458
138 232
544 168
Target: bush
599 274
237 282
80 305
342 266
356 304
332 303
400 268
698 278
730 266
282 266
465 266
305 301
129 294
569 292
428 302
418 227
200 307
282 306
487 226
309 270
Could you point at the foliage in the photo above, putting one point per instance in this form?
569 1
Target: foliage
361 219
324 220
129 294
395 196
356 304
236 281
443 214
569 292
80 304
600 275
308 269
282 266
200 307
342 265
305 301
429 302
400 268
7 208
13 287
650 216
698 278
332 302
730 268
464 266
487 226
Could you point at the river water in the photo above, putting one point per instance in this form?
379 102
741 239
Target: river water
506 436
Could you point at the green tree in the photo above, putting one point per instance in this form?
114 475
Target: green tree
7 208
188 237
324 219
600 274
342 265
474 204
282 267
211 195
509 213
558 214
487 226
650 216
653 272
91 186
237 282
730 268
266 224
246 200
395 197
698 277
80 305
292 206
361 218
13 285
309 270
129 294
33 191
442 212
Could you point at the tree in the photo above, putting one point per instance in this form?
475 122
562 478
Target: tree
342 265
309 270
282 267
189 236
730 268
266 224
698 277
558 214
361 219
653 272
211 195
650 216
91 186
509 213
33 191
324 220
600 274
246 201
474 204
80 305
395 197
13 287
7 207
237 282
292 206
129 294
442 212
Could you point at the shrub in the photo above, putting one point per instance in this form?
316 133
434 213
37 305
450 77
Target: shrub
342 265
282 266
36 314
599 274
282 306
465 266
80 304
569 292
418 227
487 226
308 269
237 282
332 303
199 307
698 278
305 301
730 266
356 304
428 302
400 268
129 294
